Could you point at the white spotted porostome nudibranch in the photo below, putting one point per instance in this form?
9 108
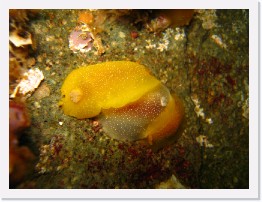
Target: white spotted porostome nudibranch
130 103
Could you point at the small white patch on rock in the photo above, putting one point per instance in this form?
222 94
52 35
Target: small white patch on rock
122 35
31 80
202 140
218 41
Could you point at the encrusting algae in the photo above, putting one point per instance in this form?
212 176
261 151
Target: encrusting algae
130 103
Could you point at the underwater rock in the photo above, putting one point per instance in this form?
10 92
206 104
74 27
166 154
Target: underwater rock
22 44
165 18
20 38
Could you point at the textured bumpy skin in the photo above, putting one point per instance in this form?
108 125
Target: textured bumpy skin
88 89
131 103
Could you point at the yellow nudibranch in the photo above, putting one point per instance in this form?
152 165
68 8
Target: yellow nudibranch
129 102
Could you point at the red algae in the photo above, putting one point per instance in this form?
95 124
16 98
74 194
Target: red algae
20 157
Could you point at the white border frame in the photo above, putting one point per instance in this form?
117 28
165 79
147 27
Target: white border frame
254 176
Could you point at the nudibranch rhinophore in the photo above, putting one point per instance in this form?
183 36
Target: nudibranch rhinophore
129 102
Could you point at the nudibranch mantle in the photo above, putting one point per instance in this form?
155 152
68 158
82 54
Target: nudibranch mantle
130 103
